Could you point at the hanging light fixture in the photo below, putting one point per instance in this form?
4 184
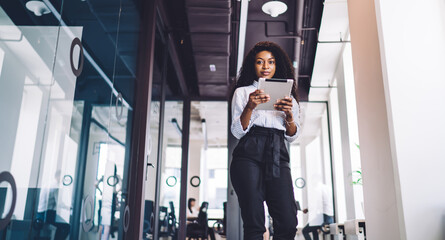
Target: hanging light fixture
204 132
274 8
176 126
37 7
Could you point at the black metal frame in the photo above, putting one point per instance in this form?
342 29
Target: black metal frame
184 168
138 164
160 134
80 170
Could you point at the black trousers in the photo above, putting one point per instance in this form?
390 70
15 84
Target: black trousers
260 172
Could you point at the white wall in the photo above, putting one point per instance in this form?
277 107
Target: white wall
412 40
399 57
337 157
194 169
352 133
314 177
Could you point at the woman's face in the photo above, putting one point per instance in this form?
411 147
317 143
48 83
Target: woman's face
192 203
264 64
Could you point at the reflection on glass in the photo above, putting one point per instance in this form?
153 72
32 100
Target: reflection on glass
44 124
104 174
109 185
50 210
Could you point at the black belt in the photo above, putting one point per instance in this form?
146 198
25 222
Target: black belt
273 145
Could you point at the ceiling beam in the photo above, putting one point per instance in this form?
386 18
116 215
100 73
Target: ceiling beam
177 65
173 51
242 33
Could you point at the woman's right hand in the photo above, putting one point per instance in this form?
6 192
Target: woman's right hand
257 97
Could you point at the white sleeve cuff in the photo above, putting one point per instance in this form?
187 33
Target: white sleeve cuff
237 128
295 136
296 115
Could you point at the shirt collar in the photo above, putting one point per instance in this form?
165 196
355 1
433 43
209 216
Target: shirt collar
255 83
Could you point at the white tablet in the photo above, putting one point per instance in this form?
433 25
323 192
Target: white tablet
276 88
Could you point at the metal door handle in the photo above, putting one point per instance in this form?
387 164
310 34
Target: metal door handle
146 171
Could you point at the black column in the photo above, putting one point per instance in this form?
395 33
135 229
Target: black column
141 123
160 143
184 168
79 179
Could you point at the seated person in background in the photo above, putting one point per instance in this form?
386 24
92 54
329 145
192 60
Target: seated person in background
192 211
198 227
328 212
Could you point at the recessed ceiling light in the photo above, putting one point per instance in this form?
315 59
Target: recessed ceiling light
274 8
212 67
37 7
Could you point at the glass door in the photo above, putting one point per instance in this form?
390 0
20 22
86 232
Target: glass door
163 176
39 145
67 84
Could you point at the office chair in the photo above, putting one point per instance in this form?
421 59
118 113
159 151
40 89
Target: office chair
172 226
148 219
163 221
199 229
220 225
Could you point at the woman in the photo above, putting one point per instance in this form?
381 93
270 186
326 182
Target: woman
260 167
192 212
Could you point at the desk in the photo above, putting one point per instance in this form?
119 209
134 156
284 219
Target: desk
355 227
208 219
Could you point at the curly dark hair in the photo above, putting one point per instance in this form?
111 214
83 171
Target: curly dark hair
284 68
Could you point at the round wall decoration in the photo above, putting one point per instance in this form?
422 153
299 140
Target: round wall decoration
195 181
300 182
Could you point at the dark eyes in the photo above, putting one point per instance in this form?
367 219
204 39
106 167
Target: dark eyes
271 62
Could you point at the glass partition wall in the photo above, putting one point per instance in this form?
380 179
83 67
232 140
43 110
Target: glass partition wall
67 86
68 83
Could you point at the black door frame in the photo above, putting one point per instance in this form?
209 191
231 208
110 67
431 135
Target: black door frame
141 122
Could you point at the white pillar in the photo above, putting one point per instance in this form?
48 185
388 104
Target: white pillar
346 151
337 158
380 180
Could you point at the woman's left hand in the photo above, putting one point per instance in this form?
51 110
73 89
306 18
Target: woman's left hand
285 105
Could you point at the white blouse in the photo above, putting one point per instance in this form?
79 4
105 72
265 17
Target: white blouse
261 118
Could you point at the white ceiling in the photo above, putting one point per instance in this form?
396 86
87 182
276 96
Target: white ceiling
334 27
